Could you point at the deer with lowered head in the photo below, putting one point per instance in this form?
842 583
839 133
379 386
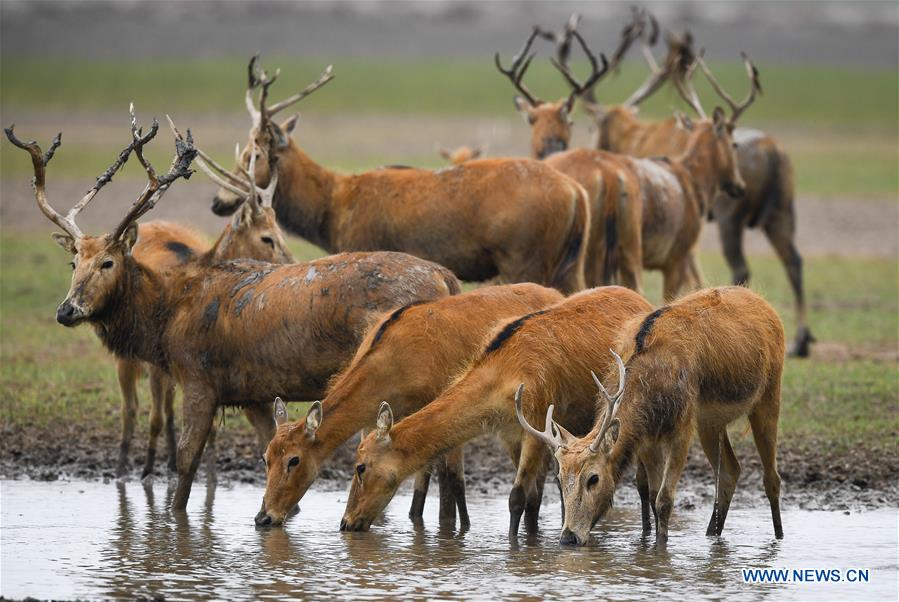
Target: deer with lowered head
512 218
234 333
696 365
407 358
546 350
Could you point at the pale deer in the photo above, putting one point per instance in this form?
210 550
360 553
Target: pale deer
406 359
513 218
769 202
697 364
235 333
547 350
161 247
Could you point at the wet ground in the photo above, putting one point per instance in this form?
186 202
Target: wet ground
93 540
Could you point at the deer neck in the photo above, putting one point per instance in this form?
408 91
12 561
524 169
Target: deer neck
698 161
132 323
303 201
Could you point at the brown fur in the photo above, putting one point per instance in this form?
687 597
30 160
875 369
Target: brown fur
551 352
406 360
461 154
703 362
512 218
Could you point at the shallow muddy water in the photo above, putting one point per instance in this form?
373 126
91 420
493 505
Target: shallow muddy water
94 540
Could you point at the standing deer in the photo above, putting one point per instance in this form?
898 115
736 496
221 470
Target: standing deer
646 213
460 154
236 333
769 202
513 218
162 247
547 350
700 363
406 359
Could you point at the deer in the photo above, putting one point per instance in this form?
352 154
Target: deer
407 358
699 363
460 154
512 218
769 202
547 350
234 333
161 247
647 214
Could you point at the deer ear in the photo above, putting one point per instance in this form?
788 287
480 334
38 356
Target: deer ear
129 237
280 412
524 109
477 152
290 124
279 138
243 217
65 241
313 419
720 121
384 422
683 121
614 430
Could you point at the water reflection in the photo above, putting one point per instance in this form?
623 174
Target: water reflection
120 541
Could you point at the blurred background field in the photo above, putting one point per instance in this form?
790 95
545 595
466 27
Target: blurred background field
412 75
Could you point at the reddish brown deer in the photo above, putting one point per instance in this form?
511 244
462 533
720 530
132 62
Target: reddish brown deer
699 363
406 359
547 350
231 334
513 218
460 154
769 202
162 247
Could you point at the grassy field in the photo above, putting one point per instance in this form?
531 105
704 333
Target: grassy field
49 373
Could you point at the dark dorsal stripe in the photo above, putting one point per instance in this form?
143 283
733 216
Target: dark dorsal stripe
646 327
391 320
510 329
181 250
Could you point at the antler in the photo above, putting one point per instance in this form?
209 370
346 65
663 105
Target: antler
755 87
562 39
156 185
683 83
258 198
613 401
520 64
258 78
578 88
657 75
548 435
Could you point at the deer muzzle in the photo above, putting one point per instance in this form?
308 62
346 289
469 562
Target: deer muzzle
69 313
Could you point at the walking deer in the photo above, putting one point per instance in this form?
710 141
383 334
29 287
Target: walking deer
406 359
699 363
513 218
769 202
235 333
162 247
548 350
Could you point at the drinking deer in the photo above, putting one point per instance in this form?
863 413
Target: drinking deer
769 202
547 350
513 218
407 359
162 247
233 333
699 363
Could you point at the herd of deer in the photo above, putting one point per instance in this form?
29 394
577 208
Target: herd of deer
381 332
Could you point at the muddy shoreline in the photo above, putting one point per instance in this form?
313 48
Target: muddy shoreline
814 478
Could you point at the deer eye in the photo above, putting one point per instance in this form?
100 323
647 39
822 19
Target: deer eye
360 468
106 264
293 462
593 480
269 241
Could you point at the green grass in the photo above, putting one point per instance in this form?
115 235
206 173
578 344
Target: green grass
48 372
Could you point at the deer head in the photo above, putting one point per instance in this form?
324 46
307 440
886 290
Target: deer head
267 140
461 154
375 479
99 262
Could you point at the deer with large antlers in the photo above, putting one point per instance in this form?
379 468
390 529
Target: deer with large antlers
548 350
769 202
235 333
646 213
512 218
162 247
406 359
697 364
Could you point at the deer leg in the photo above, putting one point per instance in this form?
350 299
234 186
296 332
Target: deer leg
674 276
730 231
198 412
697 280
447 511
455 474
531 467
128 373
158 383
170 441
211 453
717 448
262 417
763 421
674 465
653 464
643 490
780 231
420 493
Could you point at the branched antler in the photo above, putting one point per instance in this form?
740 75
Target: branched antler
613 402
755 87
549 434
520 64
258 78
596 73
